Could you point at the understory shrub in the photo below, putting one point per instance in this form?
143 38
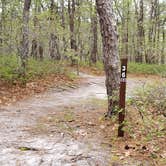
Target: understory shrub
10 68
151 96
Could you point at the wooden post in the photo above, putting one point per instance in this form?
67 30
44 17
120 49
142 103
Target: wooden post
122 96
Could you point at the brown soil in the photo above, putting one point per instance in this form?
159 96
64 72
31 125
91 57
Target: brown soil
16 92
89 125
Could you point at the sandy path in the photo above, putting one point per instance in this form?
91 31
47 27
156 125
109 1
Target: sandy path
57 149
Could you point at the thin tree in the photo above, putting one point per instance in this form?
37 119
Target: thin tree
2 22
140 36
53 44
110 52
94 38
63 22
71 11
24 48
36 48
163 56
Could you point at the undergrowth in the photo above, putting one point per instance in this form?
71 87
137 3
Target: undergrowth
10 69
148 110
147 69
134 68
145 122
151 96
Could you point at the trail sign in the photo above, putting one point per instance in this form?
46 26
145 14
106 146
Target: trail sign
123 73
122 96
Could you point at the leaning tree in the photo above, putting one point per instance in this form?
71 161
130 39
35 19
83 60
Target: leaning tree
110 52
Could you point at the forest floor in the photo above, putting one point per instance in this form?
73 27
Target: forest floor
64 126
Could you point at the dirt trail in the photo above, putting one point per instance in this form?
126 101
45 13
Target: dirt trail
57 149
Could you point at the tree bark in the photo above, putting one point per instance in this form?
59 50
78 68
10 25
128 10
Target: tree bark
71 11
163 56
110 52
2 22
125 27
73 45
34 48
152 36
94 50
63 23
140 36
37 47
53 47
24 49
53 44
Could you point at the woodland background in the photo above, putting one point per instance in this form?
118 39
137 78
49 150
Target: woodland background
69 29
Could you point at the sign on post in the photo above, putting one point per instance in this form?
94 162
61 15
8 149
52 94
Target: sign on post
122 96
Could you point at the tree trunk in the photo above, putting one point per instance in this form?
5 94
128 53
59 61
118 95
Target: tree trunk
34 48
163 56
53 44
78 32
24 49
127 31
152 31
71 11
151 22
53 47
94 51
2 23
140 34
63 23
37 48
110 52
125 27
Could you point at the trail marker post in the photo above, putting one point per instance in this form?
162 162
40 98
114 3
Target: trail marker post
122 96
